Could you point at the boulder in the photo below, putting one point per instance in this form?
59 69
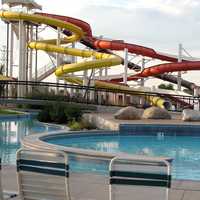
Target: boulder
128 113
156 113
191 115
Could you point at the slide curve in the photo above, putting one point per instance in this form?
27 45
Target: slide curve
157 71
102 59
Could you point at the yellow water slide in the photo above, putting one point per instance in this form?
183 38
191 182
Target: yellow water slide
101 59
5 78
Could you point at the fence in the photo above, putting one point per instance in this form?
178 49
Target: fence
91 95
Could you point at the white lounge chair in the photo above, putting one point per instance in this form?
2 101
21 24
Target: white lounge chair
139 178
42 175
4 195
1 190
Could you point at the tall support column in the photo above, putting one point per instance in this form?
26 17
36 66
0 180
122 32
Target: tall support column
125 66
58 62
142 68
11 50
92 84
106 73
11 58
30 51
99 93
125 72
36 55
85 82
73 60
7 48
179 73
27 31
30 56
142 82
22 67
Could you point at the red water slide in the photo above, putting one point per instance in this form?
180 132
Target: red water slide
132 48
112 45
164 68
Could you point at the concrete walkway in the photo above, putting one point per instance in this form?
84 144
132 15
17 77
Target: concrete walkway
95 187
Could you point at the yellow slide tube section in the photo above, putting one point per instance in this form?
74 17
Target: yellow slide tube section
102 59
5 78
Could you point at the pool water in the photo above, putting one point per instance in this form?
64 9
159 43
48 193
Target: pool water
184 150
11 133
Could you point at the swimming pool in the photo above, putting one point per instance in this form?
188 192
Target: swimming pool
13 130
185 150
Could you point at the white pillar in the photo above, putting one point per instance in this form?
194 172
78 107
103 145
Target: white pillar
106 72
22 51
31 56
30 61
142 82
85 78
36 55
100 93
92 84
11 58
125 66
58 59
143 67
125 72
11 50
73 60
85 81
179 73
100 73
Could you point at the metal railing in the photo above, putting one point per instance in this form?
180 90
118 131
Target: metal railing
46 68
92 95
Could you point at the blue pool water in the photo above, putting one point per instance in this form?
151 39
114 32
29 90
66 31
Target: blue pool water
184 150
12 131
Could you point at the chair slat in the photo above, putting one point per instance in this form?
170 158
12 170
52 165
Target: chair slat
43 175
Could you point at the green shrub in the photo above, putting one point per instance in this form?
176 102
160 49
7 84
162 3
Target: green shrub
43 115
57 113
73 112
75 126
60 113
80 125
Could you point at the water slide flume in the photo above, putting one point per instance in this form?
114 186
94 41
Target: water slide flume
106 45
164 68
102 59
6 78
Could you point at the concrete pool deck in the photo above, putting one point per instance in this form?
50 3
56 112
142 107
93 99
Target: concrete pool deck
95 187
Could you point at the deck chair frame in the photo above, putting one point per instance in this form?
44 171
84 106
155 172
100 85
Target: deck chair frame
42 167
127 178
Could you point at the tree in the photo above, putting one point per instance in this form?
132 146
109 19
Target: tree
166 86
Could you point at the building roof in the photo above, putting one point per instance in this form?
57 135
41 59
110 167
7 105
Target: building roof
30 4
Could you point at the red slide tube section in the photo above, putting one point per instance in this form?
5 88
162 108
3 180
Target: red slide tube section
132 48
164 68
112 45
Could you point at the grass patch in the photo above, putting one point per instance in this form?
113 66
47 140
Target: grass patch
8 112
80 125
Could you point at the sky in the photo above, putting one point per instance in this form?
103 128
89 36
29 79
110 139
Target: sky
159 24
